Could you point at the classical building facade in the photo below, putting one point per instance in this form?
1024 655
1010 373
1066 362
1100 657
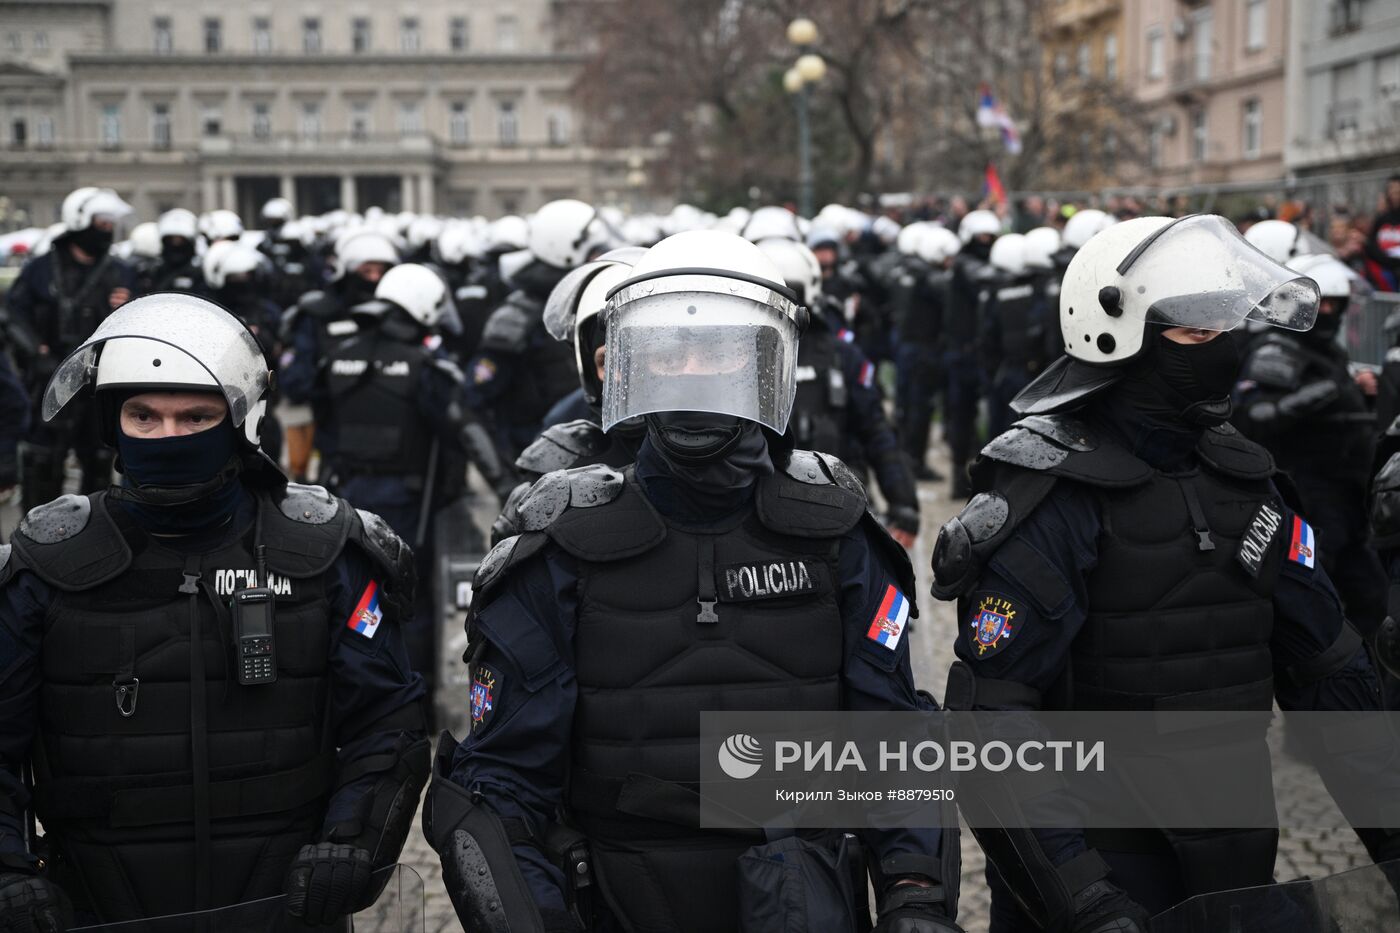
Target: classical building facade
1083 55
427 105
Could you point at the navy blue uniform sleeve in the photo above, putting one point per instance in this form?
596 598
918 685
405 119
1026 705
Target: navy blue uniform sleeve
23 604
871 429
14 411
518 750
300 361
25 293
370 678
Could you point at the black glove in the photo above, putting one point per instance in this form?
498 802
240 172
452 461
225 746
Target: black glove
32 904
913 908
327 881
904 518
1107 909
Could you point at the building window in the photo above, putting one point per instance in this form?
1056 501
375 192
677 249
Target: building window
19 133
1082 60
410 118
360 36
557 127
507 123
1110 58
1203 35
359 120
13 42
1198 134
459 126
1110 148
262 121
160 126
41 41
1154 145
110 129
310 121
311 35
163 37
262 35
1388 76
410 37
459 34
507 34
1253 128
211 121
1156 54
1256 24
43 131
213 35
1060 68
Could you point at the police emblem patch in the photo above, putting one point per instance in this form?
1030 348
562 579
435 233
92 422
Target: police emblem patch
484 371
993 625
485 681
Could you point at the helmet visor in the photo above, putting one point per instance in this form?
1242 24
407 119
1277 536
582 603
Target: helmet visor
200 329
561 310
700 343
1202 274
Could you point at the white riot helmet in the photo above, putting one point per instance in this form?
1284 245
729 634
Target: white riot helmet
423 231
145 240
229 257
1196 271
416 289
1277 239
772 221
456 244
84 206
1009 254
938 245
170 342
704 324
508 234
1042 244
572 312
1083 225
223 225
978 223
1333 277
361 247
277 211
179 222
907 243
799 267
566 232
885 229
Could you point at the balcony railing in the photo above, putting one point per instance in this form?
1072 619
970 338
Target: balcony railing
1344 119
1191 71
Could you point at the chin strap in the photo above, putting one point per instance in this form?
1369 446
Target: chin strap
168 496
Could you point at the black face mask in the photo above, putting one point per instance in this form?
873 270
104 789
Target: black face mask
694 437
180 485
177 254
698 466
1325 328
979 248
94 241
1188 383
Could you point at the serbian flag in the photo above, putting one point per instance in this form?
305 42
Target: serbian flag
888 624
990 113
1303 548
367 614
992 187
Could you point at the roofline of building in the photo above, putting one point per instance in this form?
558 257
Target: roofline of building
184 60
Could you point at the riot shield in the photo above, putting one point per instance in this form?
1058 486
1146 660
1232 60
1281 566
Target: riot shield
399 909
459 548
1363 900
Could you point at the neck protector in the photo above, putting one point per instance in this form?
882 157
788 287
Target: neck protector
685 485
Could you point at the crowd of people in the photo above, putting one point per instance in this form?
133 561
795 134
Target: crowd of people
271 423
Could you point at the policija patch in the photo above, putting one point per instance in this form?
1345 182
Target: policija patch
993 625
1259 537
767 580
485 682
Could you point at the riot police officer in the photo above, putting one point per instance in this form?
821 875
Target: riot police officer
57 301
619 575
1015 325
178 269
14 422
1297 397
287 752
1111 524
919 358
838 409
395 432
961 364
519 371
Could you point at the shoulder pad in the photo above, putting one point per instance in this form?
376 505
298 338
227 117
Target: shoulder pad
317 303
1024 446
1063 429
968 540
627 527
816 495
508 328
1276 363
449 369
814 468
56 521
70 544
1394 429
842 475
1385 503
562 446
1228 451
580 488
310 505
389 553
502 557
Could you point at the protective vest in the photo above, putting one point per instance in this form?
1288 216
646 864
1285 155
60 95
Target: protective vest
163 784
819 409
80 297
1021 320
373 383
548 371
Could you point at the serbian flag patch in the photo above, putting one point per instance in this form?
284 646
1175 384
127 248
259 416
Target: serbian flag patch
367 614
888 624
867 374
1303 548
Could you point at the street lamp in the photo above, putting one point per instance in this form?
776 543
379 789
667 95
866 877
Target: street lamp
797 81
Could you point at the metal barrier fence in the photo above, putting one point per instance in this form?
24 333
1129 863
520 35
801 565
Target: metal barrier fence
1364 333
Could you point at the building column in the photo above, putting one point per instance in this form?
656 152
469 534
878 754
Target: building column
228 198
406 198
347 193
426 195
209 193
288 186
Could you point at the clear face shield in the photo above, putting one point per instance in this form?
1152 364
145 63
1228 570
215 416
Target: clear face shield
701 342
1203 274
212 337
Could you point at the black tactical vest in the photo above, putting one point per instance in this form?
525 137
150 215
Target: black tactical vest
548 371
819 409
373 384
163 784
1021 323
80 296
